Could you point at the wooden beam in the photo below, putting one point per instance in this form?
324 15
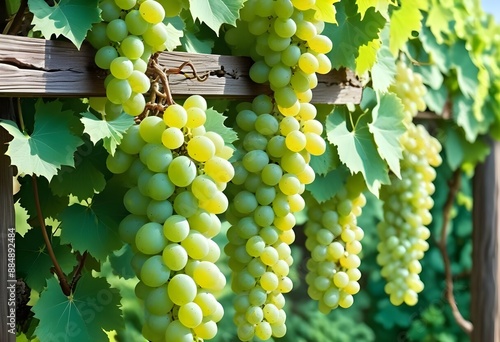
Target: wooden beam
38 67
7 235
485 279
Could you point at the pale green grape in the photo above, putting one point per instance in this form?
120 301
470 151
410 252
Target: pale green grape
175 256
118 91
151 129
154 273
135 104
182 171
152 12
176 228
132 47
159 211
117 30
181 289
172 138
135 23
150 238
119 162
104 56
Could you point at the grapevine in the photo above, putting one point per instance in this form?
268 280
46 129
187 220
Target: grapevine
144 212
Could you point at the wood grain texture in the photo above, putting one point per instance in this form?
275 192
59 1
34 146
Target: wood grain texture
485 279
6 223
35 67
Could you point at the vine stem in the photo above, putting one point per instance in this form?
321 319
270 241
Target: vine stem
60 274
454 186
78 271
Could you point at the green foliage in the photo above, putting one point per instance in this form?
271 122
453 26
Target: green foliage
94 301
359 139
110 132
51 144
93 227
33 263
215 123
70 18
214 13
351 32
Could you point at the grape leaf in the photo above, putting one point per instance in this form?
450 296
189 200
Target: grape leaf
94 228
326 162
194 45
110 132
82 181
325 11
214 13
83 315
50 204
439 52
351 33
384 70
71 18
404 22
357 149
461 109
467 71
33 262
367 56
51 145
215 123
120 261
325 187
387 127
175 29
381 6
439 18
22 217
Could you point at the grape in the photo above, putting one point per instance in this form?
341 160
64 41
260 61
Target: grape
104 56
403 233
152 11
117 30
154 273
135 23
409 87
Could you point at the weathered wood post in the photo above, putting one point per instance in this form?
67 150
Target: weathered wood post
7 235
485 282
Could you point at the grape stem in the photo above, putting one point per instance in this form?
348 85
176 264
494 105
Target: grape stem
454 185
63 282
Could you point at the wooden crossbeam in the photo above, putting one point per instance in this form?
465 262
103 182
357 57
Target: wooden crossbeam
38 67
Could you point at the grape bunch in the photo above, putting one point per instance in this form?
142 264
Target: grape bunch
266 192
334 241
407 201
131 31
409 87
176 172
284 39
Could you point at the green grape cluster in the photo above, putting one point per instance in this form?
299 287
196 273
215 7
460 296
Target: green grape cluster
269 180
334 240
409 87
407 201
278 136
176 172
131 31
284 38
